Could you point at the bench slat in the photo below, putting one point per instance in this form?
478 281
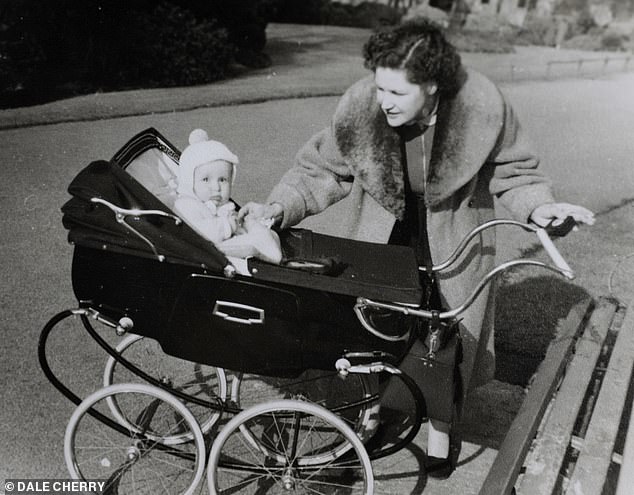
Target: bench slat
550 446
594 459
626 476
510 458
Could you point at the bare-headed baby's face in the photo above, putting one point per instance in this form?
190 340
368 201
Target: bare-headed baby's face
212 182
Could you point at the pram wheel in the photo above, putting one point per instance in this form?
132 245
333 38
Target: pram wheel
196 380
139 459
289 435
353 398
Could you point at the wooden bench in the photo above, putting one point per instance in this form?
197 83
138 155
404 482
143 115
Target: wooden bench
564 438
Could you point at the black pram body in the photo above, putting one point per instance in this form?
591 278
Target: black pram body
179 290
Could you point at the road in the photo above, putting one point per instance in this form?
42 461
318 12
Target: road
582 129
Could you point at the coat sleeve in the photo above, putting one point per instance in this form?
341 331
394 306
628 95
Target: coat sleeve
319 178
516 181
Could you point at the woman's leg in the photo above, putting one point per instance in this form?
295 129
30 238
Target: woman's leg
441 461
438 439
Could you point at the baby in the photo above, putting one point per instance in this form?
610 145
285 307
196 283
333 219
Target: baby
206 173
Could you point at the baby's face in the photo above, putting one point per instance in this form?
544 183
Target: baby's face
212 182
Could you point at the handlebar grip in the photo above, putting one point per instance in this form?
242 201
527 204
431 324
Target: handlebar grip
554 254
562 229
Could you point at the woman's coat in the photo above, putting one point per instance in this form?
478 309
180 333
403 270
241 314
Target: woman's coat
479 153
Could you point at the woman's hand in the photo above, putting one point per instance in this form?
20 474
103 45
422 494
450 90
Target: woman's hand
558 212
257 211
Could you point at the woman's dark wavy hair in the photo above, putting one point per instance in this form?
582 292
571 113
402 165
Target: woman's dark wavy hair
421 49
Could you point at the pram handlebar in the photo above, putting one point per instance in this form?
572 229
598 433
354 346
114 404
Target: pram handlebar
560 267
122 213
446 315
542 234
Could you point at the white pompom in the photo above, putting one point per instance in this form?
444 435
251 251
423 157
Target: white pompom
197 136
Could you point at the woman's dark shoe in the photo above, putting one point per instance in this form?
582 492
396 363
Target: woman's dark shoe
439 468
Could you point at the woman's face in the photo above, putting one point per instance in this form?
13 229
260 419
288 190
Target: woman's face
402 102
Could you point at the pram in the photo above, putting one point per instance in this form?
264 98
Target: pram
305 342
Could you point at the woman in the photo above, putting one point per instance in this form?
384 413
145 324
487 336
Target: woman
418 151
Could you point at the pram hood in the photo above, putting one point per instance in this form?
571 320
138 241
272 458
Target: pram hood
95 225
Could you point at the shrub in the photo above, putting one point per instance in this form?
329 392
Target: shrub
173 48
364 15
537 31
613 41
56 49
585 22
339 14
304 12
20 58
26 64
374 15
245 21
434 14
585 42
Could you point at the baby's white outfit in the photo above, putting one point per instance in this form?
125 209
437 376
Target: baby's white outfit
214 223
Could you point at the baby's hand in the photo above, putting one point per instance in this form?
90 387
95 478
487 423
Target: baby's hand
234 222
251 209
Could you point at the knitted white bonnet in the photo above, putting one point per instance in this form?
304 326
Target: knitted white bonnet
201 150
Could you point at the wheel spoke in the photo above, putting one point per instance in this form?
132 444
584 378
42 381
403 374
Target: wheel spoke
355 399
272 426
142 462
200 382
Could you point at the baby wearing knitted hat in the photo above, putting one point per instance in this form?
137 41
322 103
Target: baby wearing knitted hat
206 174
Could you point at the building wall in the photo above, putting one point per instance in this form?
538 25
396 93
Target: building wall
514 11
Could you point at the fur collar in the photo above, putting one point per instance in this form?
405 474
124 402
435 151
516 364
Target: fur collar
466 131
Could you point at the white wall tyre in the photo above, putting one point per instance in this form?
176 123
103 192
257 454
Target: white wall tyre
203 382
327 389
130 461
293 429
